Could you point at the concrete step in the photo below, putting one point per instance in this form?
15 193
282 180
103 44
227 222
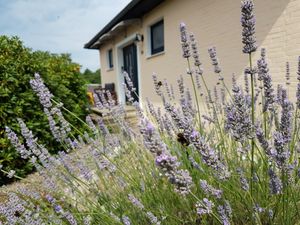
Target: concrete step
130 116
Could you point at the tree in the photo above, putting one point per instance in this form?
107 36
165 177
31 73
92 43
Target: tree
17 66
92 77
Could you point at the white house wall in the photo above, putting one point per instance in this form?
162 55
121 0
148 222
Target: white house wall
214 23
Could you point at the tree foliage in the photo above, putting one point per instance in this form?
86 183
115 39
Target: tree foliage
92 77
17 100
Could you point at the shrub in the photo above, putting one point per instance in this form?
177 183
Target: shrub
17 66
235 162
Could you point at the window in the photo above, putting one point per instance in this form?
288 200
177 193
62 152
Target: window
110 59
157 37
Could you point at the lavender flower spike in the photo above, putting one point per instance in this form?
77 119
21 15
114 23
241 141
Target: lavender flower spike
213 56
298 85
287 75
248 24
195 51
16 143
274 183
264 75
298 95
204 207
42 91
135 201
184 41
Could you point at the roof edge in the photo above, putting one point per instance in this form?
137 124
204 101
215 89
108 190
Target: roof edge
123 12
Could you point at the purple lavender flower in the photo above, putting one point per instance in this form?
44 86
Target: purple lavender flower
110 100
298 71
298 96
214 60
204 207
153 219
238 117
70 218
223 215
31 141
228 209
248 25
98 103
275 183
195 52
52 124
41 90
180 178
184 41
91 124
287 74
223 96
247 89
264 142
103 99
209 155
197 76
258 209
279 93
152 140
281 153
195 164
128 81
126 220
210 190
45 97
286 117
263 74
168 89
16 143
243 180
58 209
234 81
135 201
164 160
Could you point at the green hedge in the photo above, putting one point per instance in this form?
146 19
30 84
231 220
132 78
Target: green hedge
17 66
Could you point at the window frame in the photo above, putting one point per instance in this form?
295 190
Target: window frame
110 59
162 48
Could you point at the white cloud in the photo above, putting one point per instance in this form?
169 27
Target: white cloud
59 26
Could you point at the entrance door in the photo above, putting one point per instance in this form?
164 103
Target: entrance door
130 66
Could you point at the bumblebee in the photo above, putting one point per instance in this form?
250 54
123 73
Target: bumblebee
182 140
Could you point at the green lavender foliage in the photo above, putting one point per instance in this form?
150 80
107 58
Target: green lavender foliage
17 66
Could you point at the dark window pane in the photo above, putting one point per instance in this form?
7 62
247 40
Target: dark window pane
110 59
157 37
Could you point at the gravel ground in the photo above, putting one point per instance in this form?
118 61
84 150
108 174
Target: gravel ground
32 180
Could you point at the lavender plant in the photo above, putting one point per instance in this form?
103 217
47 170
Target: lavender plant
237 163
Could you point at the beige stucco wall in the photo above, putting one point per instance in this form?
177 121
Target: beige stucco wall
214 22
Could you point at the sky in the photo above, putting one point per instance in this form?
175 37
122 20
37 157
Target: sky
59 26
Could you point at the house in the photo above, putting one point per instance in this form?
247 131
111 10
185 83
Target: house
144 39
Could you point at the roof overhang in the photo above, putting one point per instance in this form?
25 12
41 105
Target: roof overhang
130 15
119 27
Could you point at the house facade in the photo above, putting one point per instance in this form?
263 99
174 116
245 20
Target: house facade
144 39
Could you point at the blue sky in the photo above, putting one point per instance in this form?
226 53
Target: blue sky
59 26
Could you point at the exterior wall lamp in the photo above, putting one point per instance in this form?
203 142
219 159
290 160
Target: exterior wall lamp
139 37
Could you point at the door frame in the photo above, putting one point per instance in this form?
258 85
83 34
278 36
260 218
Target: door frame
120 63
